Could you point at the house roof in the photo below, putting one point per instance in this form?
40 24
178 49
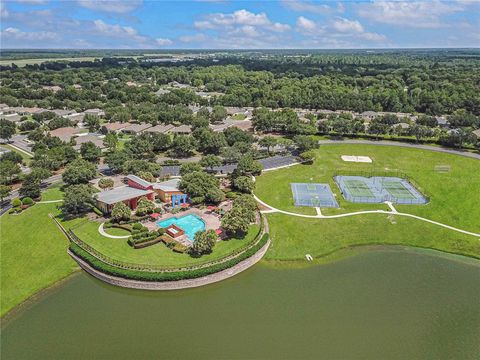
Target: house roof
161 128
476 133
11 117
98 112
64 133
136 128
97 140
114 126
139 180
121 193
62 112
169 185
182 129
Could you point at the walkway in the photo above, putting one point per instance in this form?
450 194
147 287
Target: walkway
402 144
320 216
103 233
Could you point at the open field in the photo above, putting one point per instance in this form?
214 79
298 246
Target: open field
23 62
33 253
453 196
157 254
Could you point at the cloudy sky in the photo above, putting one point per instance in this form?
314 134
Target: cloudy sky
226 24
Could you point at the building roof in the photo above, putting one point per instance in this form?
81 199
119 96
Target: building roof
62 112
169 185
161 128
114 126
139 180
136 128
11 117
3 106
182 129
96 112
96 139
64 133
121 193
476 133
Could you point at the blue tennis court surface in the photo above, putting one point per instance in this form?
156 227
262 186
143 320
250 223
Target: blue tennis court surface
313 195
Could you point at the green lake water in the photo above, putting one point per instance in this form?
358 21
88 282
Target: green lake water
387 304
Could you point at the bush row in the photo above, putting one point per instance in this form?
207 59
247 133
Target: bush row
164 276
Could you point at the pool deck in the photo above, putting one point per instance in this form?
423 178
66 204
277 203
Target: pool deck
211 220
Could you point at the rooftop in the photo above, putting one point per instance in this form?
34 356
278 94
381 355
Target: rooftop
169 185
136 128
114 126
121 194
139 180
161 128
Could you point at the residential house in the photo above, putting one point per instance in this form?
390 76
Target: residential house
54 88
136 128
94 138
166 189
160 128
115 127
182 129
95 112
11 117
442 121
65 133
476 133
63 112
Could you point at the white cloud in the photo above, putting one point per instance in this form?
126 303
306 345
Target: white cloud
420 14
10 35
307 6
346 26
111 6
33 2
199 37
163 41
306 24
239 18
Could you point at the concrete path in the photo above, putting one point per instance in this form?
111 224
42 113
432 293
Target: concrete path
402 144
49 201
103 233
273 209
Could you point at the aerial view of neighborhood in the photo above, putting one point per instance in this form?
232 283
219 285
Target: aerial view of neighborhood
239 179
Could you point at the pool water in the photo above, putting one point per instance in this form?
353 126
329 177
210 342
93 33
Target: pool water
191 224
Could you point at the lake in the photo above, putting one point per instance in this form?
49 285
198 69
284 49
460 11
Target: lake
385 304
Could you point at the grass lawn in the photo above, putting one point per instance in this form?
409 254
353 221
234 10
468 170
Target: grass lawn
239 116
454 200
53 193
23 62
157 254
116 231
33 254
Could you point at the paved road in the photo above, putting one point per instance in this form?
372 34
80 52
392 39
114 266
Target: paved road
400 144
268 163
20 142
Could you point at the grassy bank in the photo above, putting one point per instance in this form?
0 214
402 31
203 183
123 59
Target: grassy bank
453 196
33 254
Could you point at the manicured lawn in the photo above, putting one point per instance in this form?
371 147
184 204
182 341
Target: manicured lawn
454 200
117 231
293 237
157 254
238 116
53 193
33 254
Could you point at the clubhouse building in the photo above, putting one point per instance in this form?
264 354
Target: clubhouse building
136 188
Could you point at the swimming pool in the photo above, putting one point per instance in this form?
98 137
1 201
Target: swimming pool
191 224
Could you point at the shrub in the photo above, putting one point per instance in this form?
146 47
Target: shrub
231 195
180 248
97 211
137 226
16 202
27 201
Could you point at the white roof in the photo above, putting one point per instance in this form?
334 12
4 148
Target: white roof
169 185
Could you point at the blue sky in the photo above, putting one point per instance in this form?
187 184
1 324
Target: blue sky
210 24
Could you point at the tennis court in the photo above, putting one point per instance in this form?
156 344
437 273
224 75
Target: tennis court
378 189
313 195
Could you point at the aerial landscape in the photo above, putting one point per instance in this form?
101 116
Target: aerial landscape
239 179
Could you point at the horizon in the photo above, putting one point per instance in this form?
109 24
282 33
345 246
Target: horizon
239 25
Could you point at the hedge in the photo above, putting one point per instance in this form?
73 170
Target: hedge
164 276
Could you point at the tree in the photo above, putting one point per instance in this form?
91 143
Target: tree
13 156
420 131
147 176
234 135
5 191
218 114
204 243
120 212
78 199
210 142
244 184
210 161
30 187
182 146
269 142
79 172
90 152
92 122
116 160
308 156
8 171
144 206
305 143
201 187
247 166
235 222
110 141
138 166
105 183
7 129
190 167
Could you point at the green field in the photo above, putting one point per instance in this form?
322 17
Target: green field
33 253
453 196
23 62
